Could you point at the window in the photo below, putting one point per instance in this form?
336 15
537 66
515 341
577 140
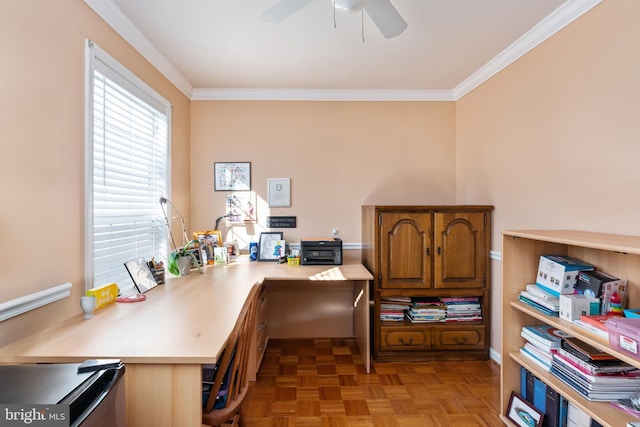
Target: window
127 168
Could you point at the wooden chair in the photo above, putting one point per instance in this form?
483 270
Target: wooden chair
222 405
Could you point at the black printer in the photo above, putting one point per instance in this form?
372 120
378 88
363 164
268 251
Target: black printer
321 251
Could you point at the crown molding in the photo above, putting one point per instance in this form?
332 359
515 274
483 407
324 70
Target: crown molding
320 95
117 20
556 21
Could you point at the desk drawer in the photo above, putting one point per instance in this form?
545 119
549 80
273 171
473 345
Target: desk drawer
459 338
406 338
262 338
262 326
261 315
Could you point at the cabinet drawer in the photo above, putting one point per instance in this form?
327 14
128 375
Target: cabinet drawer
459 338
406 338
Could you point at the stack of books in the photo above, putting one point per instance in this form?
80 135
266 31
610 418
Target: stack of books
595 324
595 374
542 341
540 299
459 309
392 309
426 309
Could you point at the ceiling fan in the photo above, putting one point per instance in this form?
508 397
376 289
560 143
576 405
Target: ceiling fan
382 12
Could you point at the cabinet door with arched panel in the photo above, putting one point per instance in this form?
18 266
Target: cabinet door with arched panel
460 249
405 242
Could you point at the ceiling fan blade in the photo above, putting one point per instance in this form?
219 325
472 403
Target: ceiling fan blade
386 17
283 9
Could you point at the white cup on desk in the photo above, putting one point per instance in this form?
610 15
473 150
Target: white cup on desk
88 304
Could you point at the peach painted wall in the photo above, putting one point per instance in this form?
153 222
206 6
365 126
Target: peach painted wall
339 156
553 140
42 117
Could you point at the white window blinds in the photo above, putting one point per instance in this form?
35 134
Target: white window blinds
127 169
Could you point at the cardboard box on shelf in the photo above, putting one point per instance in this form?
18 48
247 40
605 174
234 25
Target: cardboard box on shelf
558 273
591 282
574 306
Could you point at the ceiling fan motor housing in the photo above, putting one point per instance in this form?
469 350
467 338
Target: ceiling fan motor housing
349 6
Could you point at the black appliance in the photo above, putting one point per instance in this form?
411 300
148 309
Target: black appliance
95 398
321 251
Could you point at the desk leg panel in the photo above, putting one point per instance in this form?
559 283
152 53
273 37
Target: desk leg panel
163 395
361 322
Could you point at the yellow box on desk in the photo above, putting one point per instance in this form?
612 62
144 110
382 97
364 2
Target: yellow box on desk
104 295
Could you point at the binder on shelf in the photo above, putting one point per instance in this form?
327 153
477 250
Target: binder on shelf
562 411
552 412
530 378
540 394
523 381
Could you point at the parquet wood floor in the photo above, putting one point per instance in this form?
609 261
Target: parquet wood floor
322 382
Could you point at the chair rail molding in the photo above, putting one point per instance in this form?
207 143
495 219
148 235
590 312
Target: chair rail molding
32 301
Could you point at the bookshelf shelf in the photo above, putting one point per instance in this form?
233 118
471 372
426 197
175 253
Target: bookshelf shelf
614 254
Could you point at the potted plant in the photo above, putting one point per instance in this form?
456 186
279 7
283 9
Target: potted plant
181 260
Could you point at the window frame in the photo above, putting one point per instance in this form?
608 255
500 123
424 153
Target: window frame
97 58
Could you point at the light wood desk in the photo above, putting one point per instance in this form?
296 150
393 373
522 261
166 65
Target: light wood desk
164 340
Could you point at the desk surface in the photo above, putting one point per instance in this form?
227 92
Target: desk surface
185 321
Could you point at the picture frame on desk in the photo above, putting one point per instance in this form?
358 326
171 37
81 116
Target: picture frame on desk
522 413
267 246
208 240
232 176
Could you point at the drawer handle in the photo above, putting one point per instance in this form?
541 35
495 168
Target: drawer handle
460 341
261 300
404 343
262 326
260 349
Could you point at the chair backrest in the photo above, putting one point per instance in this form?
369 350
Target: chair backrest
232 380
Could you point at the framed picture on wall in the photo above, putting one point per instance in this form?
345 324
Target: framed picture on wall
232 176
279 192
270 246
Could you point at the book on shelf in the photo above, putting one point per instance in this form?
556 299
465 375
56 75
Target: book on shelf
459 300
630 405
617 379
584 351
544 337
595 388
392 308
462 319
535 358
539 292
398 298
587 327
547 356
597 320
427 302
545 310
594 367
551 304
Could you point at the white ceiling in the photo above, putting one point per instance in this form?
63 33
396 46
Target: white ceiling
223 49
